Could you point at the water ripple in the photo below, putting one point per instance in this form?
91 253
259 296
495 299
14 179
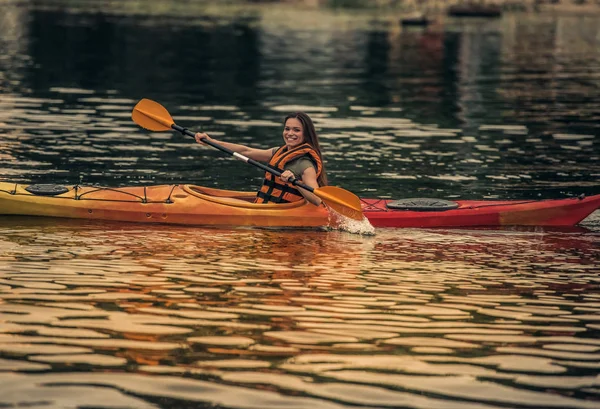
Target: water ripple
442 318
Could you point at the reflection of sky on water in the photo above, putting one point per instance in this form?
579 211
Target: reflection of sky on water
449 318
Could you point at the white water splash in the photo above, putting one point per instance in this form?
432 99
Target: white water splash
347 224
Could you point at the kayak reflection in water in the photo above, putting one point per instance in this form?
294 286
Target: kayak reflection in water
300 158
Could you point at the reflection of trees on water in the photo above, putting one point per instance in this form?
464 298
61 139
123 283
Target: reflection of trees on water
536 72
223 61
14 39
478 75
145 55
553 87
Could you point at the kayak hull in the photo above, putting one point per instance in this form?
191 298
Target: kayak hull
197 205
552 212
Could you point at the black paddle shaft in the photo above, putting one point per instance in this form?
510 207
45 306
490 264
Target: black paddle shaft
264 167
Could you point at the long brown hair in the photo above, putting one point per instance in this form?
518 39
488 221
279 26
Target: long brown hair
311 138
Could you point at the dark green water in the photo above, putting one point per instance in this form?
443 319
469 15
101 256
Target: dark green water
110 315
503 108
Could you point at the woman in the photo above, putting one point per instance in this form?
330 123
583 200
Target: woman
299 158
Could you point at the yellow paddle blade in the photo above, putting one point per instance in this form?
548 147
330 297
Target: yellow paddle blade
152 116
342 201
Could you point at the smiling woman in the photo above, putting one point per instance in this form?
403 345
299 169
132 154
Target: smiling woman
299 158
153 116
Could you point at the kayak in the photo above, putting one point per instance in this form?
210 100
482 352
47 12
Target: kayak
197 205
172 204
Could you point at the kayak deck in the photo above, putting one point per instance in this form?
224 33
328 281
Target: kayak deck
551 212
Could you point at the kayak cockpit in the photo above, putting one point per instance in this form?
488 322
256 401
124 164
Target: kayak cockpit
235 198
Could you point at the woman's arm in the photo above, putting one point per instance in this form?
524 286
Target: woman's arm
309 178
261 155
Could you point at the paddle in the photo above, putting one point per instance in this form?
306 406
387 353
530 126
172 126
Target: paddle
152 116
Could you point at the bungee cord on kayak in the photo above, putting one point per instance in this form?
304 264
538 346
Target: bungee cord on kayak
81 191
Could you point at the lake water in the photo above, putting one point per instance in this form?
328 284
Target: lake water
110 315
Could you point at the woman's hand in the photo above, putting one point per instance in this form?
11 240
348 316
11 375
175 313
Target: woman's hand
287 175
199 136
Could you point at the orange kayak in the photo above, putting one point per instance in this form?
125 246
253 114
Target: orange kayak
197 205
174 204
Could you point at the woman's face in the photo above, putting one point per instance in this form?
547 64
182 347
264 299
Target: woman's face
293 133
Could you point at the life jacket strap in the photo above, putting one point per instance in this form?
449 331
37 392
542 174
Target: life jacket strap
270 199
282 190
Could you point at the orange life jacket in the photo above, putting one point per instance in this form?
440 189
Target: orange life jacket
273 189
